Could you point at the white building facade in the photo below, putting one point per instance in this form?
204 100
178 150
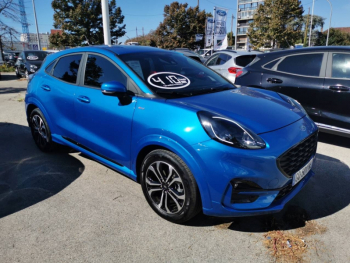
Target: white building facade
32 44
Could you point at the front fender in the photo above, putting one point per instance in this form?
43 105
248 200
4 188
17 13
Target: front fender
183 153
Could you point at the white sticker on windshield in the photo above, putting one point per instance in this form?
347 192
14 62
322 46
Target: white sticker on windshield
32 58
136 66
168 80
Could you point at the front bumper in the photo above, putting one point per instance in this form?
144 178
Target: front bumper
222 164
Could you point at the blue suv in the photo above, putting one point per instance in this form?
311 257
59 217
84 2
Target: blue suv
192 139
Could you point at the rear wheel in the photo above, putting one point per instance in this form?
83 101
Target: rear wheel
40 131
169 186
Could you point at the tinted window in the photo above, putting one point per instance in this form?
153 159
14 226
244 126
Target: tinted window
341 66
222 59
271 64
67 68
35 55
99 70
244 60
212 61
306 64
49 67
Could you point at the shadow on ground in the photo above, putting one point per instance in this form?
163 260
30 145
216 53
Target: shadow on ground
11 90
9 76
325 194
334 139
27 175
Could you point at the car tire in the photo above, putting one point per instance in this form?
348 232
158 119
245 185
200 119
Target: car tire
169 186
40 131
18 75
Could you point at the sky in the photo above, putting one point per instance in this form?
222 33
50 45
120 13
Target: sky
147 14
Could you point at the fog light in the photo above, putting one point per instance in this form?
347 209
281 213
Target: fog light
239 186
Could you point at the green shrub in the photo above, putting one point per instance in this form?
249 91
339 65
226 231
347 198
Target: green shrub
5 68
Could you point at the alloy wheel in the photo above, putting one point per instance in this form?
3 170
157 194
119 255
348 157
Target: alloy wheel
39 131
165 187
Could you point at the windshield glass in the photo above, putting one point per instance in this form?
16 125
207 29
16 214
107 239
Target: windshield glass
171 74
35 55
201 51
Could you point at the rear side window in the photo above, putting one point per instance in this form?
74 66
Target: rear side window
212 61
222 59
67 68
244 60
341 66
305 64
49 67
99 70
271 64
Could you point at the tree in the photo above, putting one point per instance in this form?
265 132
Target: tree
305 21
81 22
180 25
230 39
273 23
8 9
149 39
336 38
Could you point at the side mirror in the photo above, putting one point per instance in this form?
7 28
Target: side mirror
113 88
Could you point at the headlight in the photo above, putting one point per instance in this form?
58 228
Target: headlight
229 132
33 67
293 102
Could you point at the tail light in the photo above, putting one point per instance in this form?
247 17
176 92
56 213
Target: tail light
241 72
233 70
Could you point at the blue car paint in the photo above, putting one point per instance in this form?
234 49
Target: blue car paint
173 124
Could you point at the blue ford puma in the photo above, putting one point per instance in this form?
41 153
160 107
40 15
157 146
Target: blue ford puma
191 138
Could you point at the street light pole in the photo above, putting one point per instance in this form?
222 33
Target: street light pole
312 14
105 21
36 24
330 19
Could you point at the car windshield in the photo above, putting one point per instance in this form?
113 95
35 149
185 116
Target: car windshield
35 55
172 75
201 52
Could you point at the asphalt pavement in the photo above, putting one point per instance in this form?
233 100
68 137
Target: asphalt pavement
64 207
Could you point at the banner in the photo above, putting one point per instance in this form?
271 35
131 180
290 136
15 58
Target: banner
199 37
219 27
224 44
209 32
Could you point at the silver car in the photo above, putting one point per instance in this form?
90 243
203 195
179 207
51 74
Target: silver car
229 62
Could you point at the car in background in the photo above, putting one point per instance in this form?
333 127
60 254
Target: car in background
205 53
189 53
228 62
10 57
28 62
192 139
317 77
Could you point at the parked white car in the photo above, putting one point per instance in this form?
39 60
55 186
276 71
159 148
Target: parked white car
229 62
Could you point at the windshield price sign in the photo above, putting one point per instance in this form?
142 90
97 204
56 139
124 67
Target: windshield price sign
168 80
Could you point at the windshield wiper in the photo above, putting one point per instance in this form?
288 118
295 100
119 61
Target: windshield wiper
173 93
211 90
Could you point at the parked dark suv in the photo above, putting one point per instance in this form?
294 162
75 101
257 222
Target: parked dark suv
29 62
318 77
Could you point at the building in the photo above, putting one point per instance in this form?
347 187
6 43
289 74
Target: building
341 29
32 44
245 13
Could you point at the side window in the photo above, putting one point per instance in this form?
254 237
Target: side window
222 59
341 66
271 64
212 61
49 67
99 70
305 64
67 68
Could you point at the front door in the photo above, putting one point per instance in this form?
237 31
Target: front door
336 93
104 124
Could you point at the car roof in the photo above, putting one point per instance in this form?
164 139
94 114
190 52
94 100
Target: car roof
237 53
287 52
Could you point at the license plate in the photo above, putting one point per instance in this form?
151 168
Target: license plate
302 172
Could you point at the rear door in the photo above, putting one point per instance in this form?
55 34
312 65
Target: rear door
336 93
222 64
299 76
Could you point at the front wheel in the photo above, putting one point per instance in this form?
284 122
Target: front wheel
169 186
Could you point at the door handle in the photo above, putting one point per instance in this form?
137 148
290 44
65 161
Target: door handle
46 87
274 80
84 99
339 88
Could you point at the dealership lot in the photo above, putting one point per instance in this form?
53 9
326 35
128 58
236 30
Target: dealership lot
63 207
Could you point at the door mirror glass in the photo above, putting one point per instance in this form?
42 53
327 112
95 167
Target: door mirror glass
113 88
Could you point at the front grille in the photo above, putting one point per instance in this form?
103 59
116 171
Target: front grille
296 157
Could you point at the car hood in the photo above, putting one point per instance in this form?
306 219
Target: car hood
35 62
259 110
